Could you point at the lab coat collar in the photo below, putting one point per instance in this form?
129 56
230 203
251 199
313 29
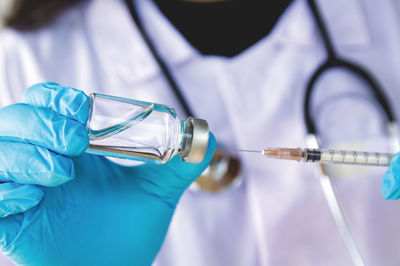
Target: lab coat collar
344 20
125 55
169 42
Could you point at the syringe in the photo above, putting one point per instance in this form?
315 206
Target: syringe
328 156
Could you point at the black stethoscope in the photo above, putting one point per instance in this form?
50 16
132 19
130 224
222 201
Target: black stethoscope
332 61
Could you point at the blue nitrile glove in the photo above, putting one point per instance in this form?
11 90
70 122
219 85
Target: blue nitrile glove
391 180
62 207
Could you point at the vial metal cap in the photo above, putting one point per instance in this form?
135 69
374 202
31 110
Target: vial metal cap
199 143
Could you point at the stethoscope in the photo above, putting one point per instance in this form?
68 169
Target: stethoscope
332 61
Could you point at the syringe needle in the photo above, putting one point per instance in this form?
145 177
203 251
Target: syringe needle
251 151
280 153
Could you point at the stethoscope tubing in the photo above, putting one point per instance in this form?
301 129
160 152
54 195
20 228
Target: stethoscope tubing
330 64
334 61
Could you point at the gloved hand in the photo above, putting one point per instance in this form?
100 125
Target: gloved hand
63 207
391 180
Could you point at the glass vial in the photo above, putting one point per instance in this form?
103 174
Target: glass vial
143 131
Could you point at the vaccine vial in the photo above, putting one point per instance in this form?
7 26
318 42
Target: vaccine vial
143 131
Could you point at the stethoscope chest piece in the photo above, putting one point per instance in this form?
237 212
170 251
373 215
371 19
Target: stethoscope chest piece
223 173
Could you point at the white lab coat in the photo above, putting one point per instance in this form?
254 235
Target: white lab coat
278 216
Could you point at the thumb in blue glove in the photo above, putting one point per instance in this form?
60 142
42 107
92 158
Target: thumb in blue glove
391 180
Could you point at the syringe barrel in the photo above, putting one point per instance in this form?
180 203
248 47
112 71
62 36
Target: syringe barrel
329 156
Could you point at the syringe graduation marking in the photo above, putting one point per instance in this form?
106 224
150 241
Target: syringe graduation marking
355 158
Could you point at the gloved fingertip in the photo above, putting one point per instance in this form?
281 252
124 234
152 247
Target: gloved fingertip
50 83
30 91
82 103
78 141
388 187
17 198
391 180
55 180
62 174
64 100
48 169
72 103
10 226
29 164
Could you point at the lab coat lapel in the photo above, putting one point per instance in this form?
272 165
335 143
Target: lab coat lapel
169 42
118 44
